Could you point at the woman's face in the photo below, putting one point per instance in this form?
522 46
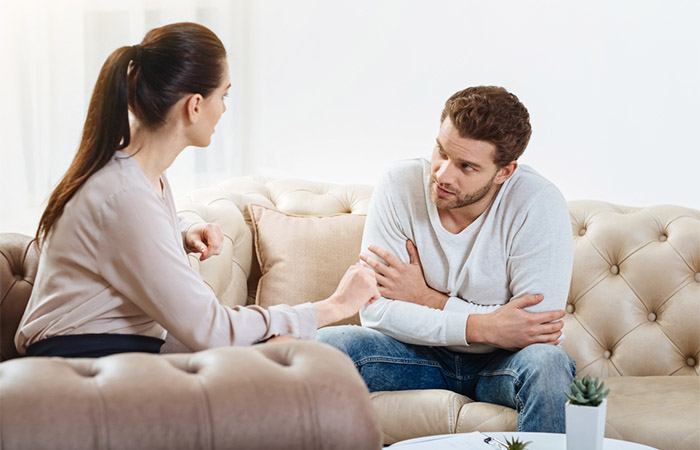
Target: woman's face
212 108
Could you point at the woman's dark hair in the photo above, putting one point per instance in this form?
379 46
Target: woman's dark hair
148 79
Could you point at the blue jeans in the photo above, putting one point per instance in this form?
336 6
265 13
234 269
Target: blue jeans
532 381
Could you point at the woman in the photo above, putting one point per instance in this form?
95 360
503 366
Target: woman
113 274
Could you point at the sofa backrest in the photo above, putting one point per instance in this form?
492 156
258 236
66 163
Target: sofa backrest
633 307
634 302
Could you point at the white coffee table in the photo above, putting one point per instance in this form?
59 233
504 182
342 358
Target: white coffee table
540 441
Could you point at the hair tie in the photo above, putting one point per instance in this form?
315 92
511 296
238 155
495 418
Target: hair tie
139 52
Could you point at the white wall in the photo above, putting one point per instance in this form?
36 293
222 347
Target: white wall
336 91
340 89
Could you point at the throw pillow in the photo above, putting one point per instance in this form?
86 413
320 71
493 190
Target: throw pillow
303 258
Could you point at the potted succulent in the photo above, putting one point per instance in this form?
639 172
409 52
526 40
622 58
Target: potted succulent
585 414
516 444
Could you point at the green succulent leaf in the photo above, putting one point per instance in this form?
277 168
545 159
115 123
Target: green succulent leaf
516 444
587 391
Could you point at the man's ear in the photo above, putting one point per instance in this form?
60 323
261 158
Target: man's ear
505 172
193 107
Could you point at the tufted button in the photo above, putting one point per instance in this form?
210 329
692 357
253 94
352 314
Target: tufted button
697 277
607 354
582 231
570 308
18 277
691 362
663 237
651 317
614 269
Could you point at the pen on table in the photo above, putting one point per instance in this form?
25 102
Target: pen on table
488 440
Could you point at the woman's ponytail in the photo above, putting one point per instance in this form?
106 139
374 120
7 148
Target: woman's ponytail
106 130
146 79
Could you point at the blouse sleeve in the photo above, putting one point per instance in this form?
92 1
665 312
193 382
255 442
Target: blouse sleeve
143 261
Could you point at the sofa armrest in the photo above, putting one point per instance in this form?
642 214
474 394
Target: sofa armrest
227 273
285 395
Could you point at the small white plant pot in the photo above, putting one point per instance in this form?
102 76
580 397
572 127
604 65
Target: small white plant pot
585 426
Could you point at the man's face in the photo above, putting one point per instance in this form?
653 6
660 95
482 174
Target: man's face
462 169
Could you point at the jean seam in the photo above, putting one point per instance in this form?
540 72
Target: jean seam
410 361
518 385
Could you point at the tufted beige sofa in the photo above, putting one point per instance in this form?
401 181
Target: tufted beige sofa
633 310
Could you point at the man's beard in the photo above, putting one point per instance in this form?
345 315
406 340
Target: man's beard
459 199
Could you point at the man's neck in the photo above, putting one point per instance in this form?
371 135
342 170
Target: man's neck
457 219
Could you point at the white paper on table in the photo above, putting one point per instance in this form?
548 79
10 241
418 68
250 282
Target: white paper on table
461 441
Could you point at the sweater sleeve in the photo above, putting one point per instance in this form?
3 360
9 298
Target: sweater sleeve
541 252
407 322
141 259
539 261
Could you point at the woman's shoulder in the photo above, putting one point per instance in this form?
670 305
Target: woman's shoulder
120 179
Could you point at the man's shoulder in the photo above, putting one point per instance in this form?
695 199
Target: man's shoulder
405 179
527 188
527 182
409 170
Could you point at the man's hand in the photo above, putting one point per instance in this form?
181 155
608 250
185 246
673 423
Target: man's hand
400 281
512 327
204 238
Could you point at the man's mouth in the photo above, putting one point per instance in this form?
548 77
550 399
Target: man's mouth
441 191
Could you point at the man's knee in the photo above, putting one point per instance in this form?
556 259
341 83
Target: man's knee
549 360
351 339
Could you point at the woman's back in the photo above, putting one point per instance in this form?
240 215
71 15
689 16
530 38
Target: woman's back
74 284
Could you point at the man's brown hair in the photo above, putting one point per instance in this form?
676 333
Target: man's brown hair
491 114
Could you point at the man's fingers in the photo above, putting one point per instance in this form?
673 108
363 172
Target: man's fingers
551 316
527 300
384 292
385 255
412 252
382 280
552 327
550 338
374 263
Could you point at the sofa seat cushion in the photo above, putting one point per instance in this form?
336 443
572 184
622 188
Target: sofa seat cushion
410 414
661 412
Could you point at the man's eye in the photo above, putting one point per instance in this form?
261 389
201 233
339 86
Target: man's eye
467 167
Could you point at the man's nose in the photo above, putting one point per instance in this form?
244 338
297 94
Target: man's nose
444 174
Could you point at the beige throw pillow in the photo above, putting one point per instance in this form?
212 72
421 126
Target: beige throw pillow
303 258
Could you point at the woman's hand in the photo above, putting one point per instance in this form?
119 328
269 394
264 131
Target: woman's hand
357 288
204 238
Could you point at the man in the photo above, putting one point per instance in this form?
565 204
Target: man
473 257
